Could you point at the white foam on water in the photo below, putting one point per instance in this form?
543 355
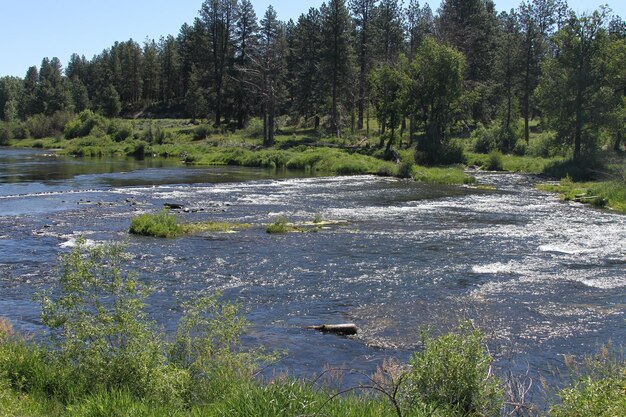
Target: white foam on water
498 268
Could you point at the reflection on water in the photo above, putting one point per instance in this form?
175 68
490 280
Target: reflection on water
541 277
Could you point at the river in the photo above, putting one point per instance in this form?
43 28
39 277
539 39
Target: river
541 277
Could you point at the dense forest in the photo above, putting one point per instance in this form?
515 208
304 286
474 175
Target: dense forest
420 73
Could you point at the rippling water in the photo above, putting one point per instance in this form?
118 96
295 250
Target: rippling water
543 278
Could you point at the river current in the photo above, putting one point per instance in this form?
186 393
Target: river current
541 277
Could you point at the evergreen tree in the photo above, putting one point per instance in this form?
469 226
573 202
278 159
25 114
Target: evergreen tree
573 89
336 56
246 41
363 11
508 73
538 20
389 29
270 68
171 77
471 27
218 16
306 85
151 72
195 100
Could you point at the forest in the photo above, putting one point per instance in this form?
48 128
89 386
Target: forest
420 74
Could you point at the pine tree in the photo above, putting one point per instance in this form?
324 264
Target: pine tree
246 41
336 56
362 11
218 17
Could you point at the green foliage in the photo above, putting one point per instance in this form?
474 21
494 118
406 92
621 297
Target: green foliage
82 125
453 373
280 226
41 126
494 162
451 175
611 194
163 225
484 140
597 388
104 334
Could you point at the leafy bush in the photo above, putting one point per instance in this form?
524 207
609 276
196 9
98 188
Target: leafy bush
83 124
597 388
157 225
484 140
41 126
281 225
254 128
494 162
120 131
202 132
448 153
453 373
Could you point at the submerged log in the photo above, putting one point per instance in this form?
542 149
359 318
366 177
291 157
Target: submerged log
340 329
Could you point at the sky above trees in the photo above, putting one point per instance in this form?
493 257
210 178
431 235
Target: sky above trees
31 31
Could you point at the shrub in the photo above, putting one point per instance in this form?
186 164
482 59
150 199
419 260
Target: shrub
254 128
157 225
6 133
104 332
484 139
83 124
453 373
597 388
494 162
281 225
202 132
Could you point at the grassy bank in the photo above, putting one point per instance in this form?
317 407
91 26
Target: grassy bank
609 194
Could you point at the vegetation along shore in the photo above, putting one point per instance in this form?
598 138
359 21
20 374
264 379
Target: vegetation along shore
353 87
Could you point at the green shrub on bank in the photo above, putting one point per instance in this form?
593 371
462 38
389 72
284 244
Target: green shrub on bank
83 124
106 350
494 162
597 388
453 373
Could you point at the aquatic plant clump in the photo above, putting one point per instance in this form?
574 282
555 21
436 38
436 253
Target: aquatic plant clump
166 225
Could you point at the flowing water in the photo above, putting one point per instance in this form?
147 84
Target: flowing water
543 278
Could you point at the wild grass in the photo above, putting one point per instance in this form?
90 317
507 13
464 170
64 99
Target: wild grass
166 225
610 194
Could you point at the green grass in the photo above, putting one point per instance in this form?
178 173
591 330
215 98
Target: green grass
442 175
610 194
513 163
166 225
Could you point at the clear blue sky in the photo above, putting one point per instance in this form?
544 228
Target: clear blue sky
43 28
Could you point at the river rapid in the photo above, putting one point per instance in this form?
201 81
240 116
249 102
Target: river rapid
541 277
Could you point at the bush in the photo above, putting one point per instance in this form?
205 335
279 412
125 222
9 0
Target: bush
448 153
162 225
494 162
6 133
83 124
41 126
597 388
120 131
453 373
202 132
484 139
280 226
254 128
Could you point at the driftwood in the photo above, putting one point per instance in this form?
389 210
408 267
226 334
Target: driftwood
340 329
173 206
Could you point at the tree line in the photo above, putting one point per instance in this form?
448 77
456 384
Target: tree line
339 65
